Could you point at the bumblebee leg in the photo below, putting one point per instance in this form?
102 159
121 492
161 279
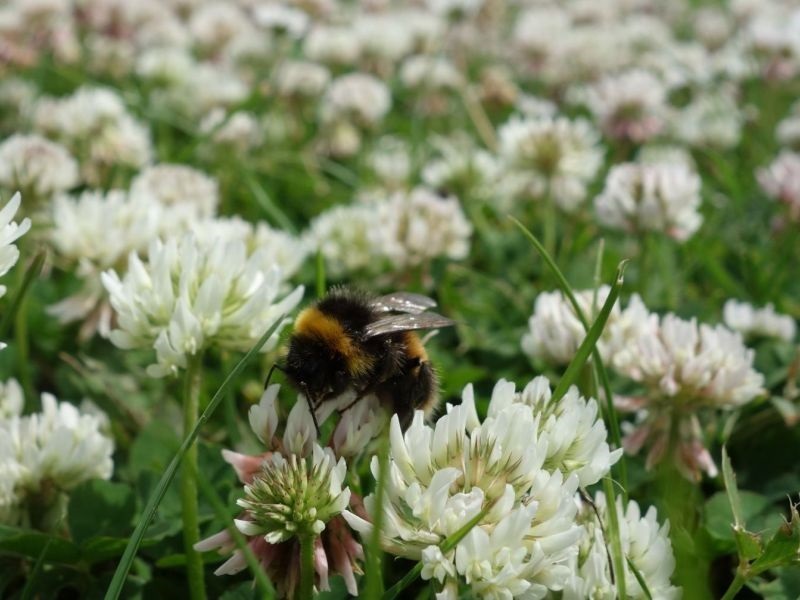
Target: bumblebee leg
271 370
311 408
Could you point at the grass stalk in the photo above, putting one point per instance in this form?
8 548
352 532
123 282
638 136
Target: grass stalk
188 487
305 590
374 568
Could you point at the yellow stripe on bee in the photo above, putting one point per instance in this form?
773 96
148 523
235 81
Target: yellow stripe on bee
414 347
315 323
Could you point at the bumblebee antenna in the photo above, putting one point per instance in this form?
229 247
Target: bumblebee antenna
271 370
311 408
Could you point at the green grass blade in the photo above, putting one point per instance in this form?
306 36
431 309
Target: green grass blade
639 578
33 576
274 212
19 295
264 585
590 341
118 581
373 587
729 478
602 374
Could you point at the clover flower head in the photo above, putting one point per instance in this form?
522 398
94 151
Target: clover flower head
190 296
294 496
661 197
758 322
10 232
556 157
36 165
442 476
645 544
47 454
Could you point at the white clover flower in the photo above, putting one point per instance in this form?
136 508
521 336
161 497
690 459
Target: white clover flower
712 119
47 454
382 38
96 231
36 165
213 25
332 45
301 79
167 65
10 232
293 489
629 105
239 131
575 433
390 159
274 246
294 496
190 296
781 181
412 229
665 153
662 197
342 235
95 125
695 364
281 19
788 130
356 97
462 170
205 87
442 476
555 157
758 322
430 73
11 399
645 544
174 185
554 330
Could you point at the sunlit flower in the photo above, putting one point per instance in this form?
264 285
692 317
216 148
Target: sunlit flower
645 544
575 433
36 166
557 158
430 73
444 475
332 45
190 296
301 79
663 197
758 322
712 119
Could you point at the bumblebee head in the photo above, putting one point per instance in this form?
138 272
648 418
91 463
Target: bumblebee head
316 367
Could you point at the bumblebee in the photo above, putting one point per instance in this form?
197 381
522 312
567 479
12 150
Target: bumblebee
350 340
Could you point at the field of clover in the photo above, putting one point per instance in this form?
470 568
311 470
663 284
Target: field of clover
603 196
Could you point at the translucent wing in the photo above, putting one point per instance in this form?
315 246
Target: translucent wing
396 323
404 302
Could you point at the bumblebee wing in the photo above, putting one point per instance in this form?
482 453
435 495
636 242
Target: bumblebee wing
397 323
404 302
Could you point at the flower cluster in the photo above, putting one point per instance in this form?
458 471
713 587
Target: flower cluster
190 295
296 490
512 476
45 455
10 232
758 322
